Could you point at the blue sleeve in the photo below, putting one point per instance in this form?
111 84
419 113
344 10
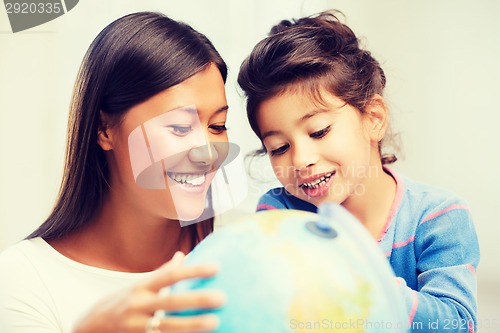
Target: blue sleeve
279 198
269 201
447 255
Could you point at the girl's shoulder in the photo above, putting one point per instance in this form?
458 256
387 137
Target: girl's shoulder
428 201
433 194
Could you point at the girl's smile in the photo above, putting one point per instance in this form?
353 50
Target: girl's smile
318 185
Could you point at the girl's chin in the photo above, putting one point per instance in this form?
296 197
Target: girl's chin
316 201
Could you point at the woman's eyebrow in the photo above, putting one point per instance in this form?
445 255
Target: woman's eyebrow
192 108
224 108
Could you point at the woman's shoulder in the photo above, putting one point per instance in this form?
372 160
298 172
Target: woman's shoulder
19 262
21 253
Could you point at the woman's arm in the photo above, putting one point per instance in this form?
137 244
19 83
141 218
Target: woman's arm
130 310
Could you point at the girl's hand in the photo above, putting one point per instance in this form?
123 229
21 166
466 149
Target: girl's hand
129 311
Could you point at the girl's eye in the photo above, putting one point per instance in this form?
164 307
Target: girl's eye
280 150
321 133
218 129
180 130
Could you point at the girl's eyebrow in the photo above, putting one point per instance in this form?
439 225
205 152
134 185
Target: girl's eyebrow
319 110
269 133
311 114
300 120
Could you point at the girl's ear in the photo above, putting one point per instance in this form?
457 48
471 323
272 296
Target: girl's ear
103 136
377 115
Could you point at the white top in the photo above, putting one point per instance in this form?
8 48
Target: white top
42 291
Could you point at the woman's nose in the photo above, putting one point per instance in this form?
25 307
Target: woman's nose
204 155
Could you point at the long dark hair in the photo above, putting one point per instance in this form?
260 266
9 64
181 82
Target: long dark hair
315 51
132 59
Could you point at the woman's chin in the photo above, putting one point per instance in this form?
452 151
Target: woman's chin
193 214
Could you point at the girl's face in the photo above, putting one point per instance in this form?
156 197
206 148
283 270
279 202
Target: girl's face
166 150
319 152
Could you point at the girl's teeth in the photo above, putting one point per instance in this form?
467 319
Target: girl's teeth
318 182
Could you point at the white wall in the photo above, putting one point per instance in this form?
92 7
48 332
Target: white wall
441 59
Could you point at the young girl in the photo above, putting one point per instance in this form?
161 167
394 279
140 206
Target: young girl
149 95
314 98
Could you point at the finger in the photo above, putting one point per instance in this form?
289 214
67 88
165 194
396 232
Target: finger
168 277
176 261
203 323
200 299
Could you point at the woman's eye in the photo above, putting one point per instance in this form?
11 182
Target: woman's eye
321 133
180 130
280 150
218 129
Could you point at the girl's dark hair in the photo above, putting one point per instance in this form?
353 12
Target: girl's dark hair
311 53
132 59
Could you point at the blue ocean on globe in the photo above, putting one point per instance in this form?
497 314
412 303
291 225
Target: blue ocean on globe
287 271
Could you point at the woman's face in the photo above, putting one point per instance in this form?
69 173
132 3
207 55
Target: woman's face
166 150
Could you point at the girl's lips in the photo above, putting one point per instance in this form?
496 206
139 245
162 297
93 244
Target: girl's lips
312 182
318 185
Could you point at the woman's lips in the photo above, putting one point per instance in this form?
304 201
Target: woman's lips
189 179
191 182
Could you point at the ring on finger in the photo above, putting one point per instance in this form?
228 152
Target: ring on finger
153 325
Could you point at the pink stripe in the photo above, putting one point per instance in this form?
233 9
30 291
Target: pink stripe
265 207
471 327
413 308
471 268
441 212
395 204
401 244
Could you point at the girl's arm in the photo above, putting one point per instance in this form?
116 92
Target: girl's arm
447 254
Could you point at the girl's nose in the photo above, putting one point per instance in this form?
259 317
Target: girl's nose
303 156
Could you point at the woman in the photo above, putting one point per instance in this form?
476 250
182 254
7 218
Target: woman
146 134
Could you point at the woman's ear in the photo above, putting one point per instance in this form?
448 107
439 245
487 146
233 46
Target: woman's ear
377 113
103 138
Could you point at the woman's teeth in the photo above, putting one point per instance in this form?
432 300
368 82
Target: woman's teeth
189 179
318 182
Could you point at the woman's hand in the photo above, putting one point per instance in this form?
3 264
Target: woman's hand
129 311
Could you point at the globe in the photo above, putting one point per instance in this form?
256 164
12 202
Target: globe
296 271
